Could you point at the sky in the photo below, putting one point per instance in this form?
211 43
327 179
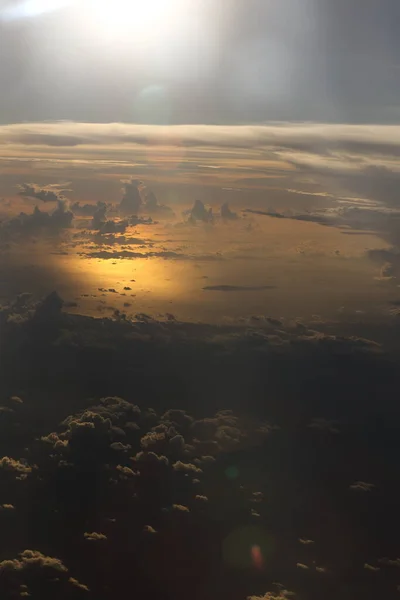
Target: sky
237 63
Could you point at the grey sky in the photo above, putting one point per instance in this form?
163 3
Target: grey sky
246 61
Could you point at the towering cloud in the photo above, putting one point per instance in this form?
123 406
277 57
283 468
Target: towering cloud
131 200
152 206
39 221
226 212
200 213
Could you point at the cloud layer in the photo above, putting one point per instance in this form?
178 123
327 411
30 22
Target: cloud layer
311 137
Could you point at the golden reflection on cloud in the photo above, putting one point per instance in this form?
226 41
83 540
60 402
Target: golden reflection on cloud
277 267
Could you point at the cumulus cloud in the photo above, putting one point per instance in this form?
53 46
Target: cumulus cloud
362 486
153 440
358 159
34 568
128 496
94 536
33 559
143 458
151 205
99 215
180 508
149 529
10 464
7 507
395 562
55 440
187 468
125 471
105 226
84 210
120 447
227 213
131 199
49 193
200 213
178 417
78 585
38 222
16 400
200 498
371 568
389 259
281 595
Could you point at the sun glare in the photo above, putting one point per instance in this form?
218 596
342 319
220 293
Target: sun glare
143 17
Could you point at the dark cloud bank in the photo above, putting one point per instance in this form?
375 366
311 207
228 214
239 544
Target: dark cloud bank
163 459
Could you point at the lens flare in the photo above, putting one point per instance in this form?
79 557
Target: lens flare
133 16
30 8
256 556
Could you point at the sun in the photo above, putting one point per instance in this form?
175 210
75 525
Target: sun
136 17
